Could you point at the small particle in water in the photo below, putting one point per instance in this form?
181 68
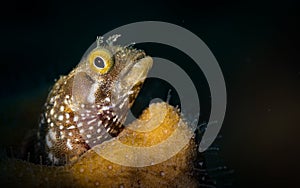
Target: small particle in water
110 167
121 186
97 183
162 173
81 170
201 164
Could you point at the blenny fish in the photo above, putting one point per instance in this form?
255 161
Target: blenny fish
90 104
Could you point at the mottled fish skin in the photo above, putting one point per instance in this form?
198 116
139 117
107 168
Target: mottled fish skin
89 106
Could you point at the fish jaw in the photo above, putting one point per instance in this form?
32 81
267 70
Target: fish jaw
130 82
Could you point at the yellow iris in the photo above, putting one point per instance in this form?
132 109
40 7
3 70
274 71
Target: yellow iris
100 61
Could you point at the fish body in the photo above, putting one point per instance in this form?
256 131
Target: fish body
90 104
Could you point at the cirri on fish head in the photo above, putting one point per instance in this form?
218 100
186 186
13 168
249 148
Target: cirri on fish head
90 105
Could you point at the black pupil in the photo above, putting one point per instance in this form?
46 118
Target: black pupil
99 62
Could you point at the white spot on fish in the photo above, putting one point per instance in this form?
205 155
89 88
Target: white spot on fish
105 125
62 135
50 155
52 111
48 141
79 124
105 108
69 145
71 127
52 134
66 101
52 100
60 117
75 118
89 122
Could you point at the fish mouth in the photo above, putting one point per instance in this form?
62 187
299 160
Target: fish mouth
130 81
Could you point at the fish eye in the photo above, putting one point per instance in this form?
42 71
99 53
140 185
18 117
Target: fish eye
100 61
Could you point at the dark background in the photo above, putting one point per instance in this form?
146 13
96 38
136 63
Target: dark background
255 44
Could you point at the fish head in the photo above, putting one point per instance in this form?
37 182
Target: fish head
110 76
